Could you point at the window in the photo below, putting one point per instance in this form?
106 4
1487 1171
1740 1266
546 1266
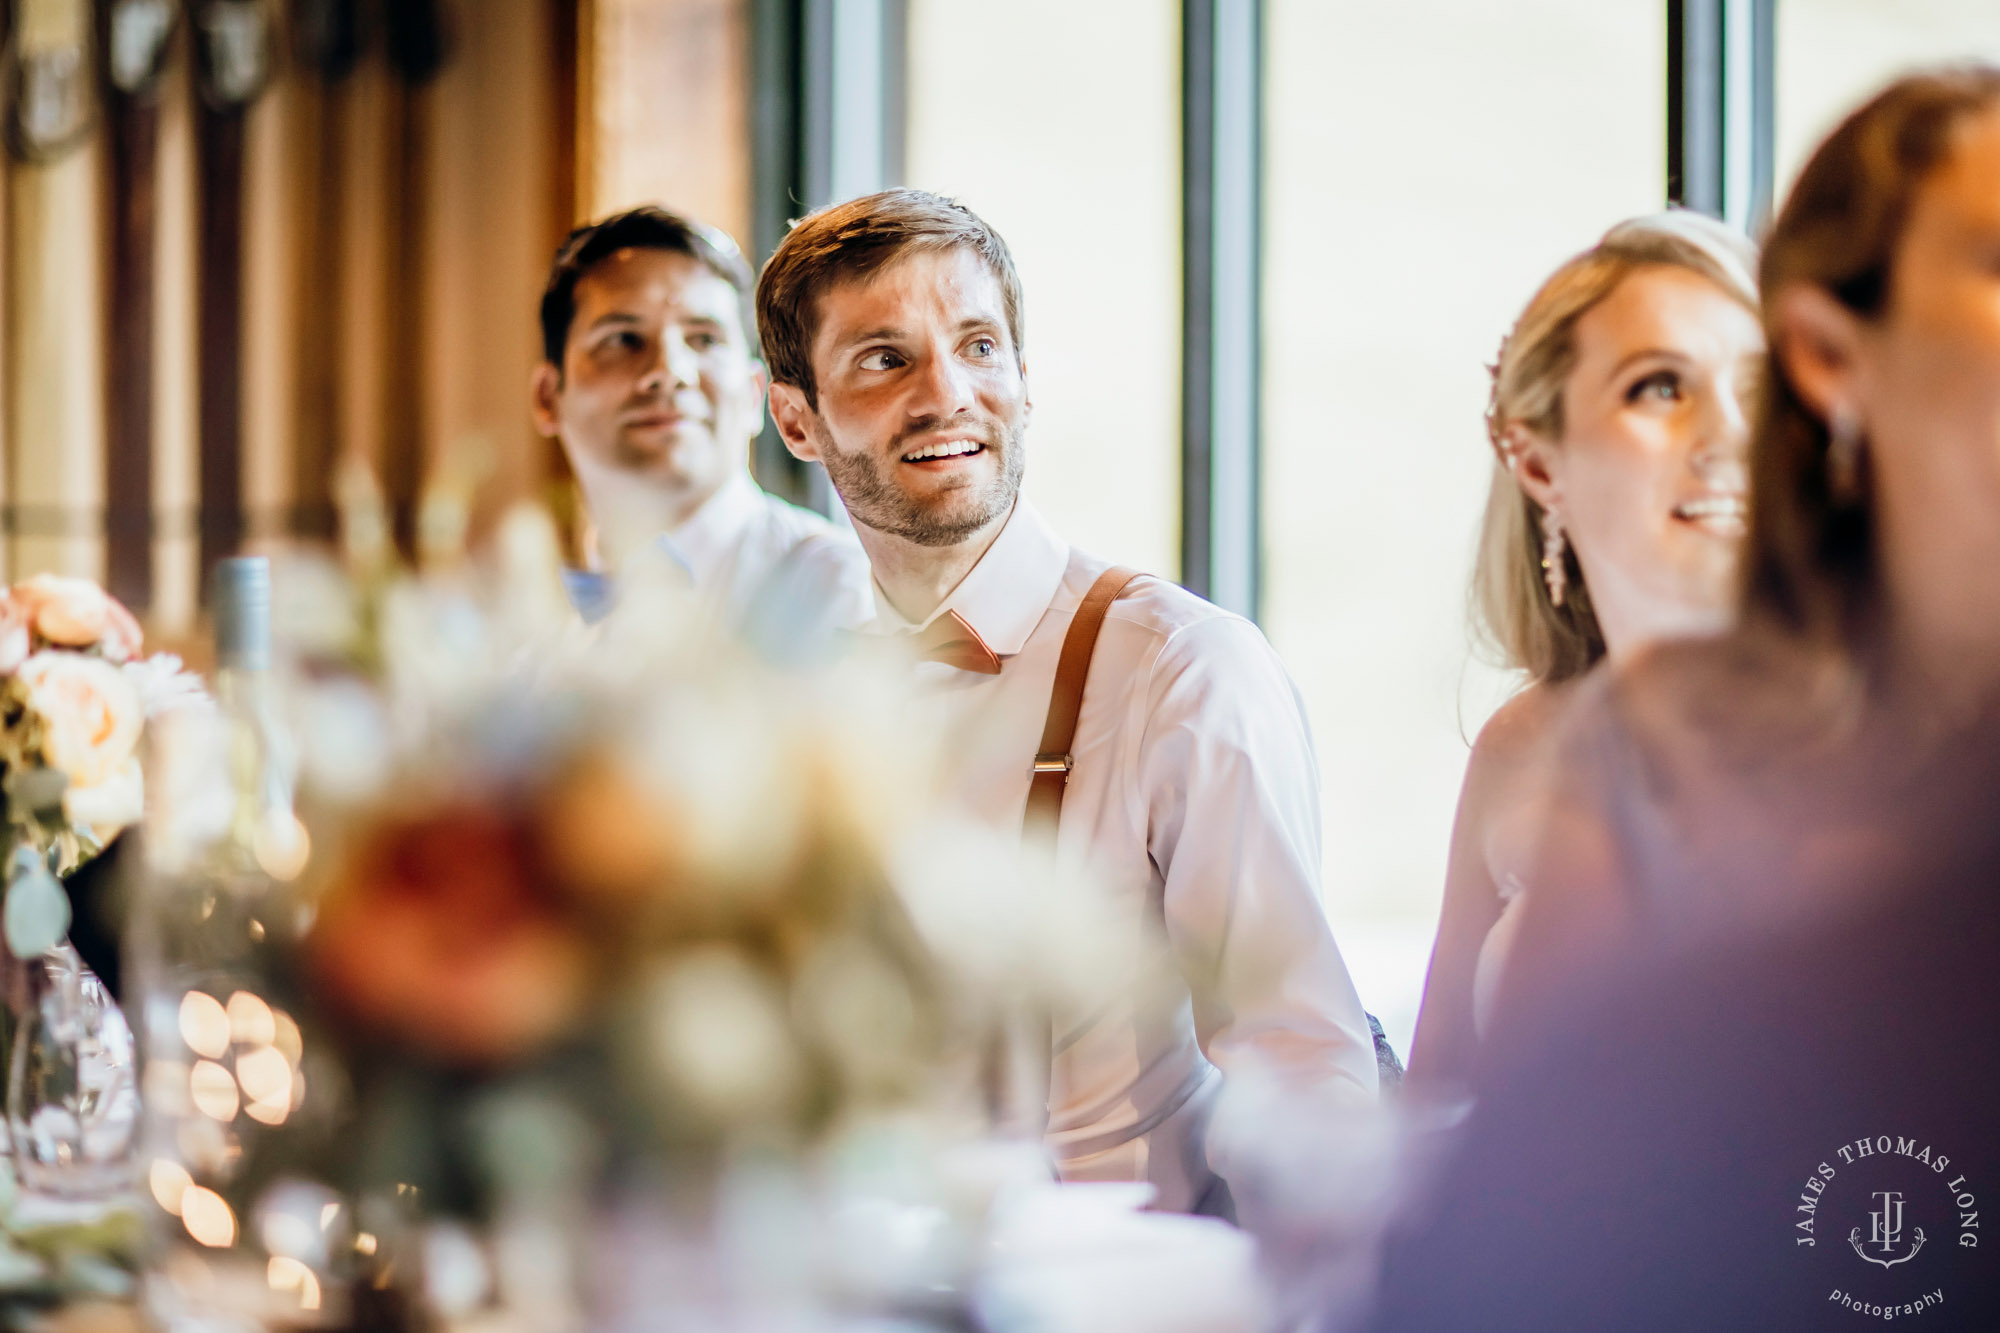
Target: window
1072 151
1834 54
1426 166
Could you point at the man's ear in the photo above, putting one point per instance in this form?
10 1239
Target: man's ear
793 418
1536 464
1817 341
544 387
759 391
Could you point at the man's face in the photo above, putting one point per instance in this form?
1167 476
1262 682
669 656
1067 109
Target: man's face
658 383
923 399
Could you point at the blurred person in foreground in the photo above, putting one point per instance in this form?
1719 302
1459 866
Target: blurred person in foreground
1616 516
892 327
651 381
1741 1074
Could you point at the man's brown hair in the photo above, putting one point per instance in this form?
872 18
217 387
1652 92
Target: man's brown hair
846 242
648 227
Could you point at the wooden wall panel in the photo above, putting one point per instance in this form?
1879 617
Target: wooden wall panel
55 376
278 233
670 104
495 186
382 314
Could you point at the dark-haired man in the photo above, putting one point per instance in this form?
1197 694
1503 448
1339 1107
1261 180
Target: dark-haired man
651 381
892 329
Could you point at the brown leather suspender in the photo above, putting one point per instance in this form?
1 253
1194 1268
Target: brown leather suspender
1022 1045
1053 761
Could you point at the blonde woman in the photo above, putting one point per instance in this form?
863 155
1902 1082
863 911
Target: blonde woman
1616 519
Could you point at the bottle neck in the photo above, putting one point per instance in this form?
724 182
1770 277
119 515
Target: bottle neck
259 767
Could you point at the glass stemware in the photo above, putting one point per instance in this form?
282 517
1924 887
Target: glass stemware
72 1093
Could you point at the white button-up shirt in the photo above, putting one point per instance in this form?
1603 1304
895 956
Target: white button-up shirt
1194 799
769 568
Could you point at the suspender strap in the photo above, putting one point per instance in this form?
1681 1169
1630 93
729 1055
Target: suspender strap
1052 761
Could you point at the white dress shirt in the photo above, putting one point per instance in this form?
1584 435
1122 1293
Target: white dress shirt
770 568
1194 799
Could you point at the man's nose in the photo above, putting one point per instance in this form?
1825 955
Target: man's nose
675 365
683 363
943 386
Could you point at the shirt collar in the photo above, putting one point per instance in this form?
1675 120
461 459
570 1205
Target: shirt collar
1004 596
713 531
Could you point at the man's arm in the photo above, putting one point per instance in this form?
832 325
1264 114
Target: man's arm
1232 792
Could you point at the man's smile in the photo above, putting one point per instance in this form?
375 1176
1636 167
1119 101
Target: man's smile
943 453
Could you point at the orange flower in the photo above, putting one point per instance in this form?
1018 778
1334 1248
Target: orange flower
437 935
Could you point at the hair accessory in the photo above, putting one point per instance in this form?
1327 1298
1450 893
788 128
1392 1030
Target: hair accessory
1843 456
1496 429
1555 547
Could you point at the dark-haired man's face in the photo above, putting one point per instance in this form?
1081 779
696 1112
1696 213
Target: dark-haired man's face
923 399
659 392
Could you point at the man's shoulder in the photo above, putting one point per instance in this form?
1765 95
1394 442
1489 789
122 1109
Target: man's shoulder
1181 626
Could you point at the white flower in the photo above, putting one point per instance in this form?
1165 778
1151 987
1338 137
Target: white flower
164 683
721 1037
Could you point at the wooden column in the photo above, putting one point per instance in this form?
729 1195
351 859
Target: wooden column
415 44
233 46
138 34
55 308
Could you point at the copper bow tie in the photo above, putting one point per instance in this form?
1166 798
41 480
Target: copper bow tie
952 641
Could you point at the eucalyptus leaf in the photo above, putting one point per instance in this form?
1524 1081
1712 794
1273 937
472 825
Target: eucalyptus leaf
37 914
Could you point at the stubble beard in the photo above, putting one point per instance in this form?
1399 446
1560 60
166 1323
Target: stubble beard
875 500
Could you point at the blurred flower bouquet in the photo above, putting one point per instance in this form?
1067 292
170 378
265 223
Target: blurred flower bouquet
75 700
617 991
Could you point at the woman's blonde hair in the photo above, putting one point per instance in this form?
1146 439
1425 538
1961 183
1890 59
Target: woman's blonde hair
1511 605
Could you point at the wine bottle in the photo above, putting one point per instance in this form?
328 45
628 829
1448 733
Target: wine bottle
226 1063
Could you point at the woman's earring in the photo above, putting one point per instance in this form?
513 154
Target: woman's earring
1843 456
1555 547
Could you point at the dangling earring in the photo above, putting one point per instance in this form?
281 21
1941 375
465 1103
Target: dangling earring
1843 456
1555 546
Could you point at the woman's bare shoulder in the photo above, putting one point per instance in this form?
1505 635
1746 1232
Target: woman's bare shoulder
1524 724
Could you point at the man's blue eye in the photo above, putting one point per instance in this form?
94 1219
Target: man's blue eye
984 346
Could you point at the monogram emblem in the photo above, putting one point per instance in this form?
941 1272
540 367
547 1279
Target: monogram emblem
1885 1232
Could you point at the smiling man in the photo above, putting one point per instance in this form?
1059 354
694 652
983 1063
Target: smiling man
892 328
651 381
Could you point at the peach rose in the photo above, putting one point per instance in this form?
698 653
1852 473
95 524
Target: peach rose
76 613
107 807
16 622
91 715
